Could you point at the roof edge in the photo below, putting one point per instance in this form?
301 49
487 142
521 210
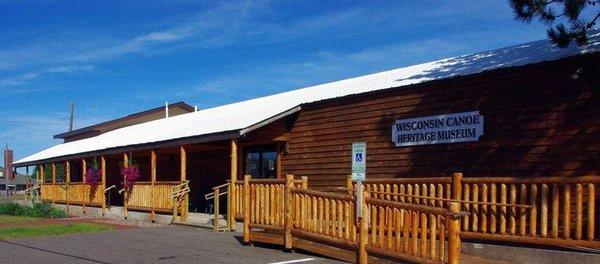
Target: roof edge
159 144
64 135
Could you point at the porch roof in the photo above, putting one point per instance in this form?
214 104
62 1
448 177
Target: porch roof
233 120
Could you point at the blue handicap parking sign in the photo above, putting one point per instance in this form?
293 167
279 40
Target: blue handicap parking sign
359 157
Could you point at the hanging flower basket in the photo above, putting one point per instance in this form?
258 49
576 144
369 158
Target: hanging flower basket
130 174
92 175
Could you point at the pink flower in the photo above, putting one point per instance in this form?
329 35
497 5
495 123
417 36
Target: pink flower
92 176
131 174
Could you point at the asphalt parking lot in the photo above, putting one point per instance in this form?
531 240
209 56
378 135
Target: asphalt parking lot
169 244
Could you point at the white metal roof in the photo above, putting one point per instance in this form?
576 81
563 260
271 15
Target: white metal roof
241 115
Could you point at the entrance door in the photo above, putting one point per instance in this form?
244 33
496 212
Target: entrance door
260 162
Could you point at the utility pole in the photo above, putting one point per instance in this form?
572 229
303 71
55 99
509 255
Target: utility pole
72 109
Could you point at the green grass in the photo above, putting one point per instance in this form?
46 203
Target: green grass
51 230
10 219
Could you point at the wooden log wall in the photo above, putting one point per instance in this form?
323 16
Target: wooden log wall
539 121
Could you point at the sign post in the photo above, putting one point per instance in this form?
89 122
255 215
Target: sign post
359 172
359 161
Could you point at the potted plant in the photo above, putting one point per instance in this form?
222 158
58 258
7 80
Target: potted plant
93 178
131 174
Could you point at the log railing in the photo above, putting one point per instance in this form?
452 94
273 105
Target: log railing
177 194
546 210
237 192
215 196
412 232
32 194
562 210
388 229
85 194
145 196
72 193
326 214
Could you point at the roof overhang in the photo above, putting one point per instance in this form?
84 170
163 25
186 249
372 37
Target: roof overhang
168 143
161 144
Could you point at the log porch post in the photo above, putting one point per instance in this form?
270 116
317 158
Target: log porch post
246 206
67 181
54 189
183 175
83 168
152 182
103 183
125 195
232 180
41 181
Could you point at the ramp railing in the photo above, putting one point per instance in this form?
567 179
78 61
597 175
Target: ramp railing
215 195
327 223
558 211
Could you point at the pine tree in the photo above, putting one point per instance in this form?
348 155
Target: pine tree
569 14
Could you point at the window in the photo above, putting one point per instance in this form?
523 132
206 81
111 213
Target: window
260 163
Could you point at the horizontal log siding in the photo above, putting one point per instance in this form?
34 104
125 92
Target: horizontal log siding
538 122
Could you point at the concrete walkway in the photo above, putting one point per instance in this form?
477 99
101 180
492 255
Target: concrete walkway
169 244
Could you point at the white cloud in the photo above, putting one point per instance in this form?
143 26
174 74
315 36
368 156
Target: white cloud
18 80
71 68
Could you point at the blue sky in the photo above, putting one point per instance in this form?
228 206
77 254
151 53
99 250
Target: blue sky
116 58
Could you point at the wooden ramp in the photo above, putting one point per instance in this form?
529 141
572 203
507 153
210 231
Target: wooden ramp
327 224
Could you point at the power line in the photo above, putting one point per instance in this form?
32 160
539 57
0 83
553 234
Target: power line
30 122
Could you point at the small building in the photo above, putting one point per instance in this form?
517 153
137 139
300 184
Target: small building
17 184
530 110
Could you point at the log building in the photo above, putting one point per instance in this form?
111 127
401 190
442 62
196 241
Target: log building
539 106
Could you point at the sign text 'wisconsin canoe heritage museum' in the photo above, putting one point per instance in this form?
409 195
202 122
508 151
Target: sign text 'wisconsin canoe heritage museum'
450 128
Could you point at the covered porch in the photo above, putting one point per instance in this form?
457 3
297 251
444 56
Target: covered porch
173 178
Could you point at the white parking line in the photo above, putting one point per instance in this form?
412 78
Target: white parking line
294 261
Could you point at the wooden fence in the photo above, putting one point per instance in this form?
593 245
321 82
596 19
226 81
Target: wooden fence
547 210
326 223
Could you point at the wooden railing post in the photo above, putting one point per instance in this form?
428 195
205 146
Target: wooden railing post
289 185
247 208
232 180
304 182
349 185
363 235
230 213
183 177
41 180
103 183
216 210
456 185
152 182
125 192
83 169
67 174
454 234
